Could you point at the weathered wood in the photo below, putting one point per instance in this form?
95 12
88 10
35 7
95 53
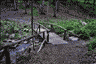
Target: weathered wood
41 45
54 25
74 34
7 54
62 28
47 36
39 28
18 42
64 35
44 35
42 26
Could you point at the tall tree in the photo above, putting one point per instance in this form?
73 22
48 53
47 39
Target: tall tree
15 5
94 4
25 7
54 8
57 5
32 20
42 7
25 1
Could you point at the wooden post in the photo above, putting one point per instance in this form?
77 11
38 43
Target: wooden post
47 36
39 28
44 35
64 35
52 29
7 54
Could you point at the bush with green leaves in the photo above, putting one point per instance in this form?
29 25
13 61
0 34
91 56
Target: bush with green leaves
7 27
35 12
91 44
88 30
11 27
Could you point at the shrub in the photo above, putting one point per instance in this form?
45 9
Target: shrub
91 44
88 30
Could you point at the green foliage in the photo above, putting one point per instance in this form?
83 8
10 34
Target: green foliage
22 7
88 30
20 1
91 44
8 27
91 28
35 12
39 1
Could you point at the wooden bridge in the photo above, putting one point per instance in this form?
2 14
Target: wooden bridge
46 34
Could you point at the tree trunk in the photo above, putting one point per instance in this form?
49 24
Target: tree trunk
57 6
42 7
47 11
94 5
54 9
32 21
15 4
25 7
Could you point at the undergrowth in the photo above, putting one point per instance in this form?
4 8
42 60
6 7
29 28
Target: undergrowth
11 27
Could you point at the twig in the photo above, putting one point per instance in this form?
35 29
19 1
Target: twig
41 45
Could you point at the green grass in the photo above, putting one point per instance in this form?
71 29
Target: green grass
91 44
7 27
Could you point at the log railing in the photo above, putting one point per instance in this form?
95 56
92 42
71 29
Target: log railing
6 47
43 32
65 30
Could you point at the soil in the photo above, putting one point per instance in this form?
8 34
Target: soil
62 53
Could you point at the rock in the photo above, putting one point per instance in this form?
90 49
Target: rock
25 41
12 36
26 30
84 23
73 38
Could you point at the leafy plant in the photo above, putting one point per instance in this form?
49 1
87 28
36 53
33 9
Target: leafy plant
91 44
35 12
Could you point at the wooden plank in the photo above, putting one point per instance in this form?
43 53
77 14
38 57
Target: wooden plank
44 35
7 54
39 28
41 45
64 35
47 36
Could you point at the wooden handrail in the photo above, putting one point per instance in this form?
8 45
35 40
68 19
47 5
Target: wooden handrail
18 42
62 28
54 25
42 26
41 45
6 48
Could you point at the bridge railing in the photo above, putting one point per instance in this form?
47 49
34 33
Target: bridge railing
65 30
7 46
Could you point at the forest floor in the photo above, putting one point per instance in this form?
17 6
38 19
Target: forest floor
61 53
